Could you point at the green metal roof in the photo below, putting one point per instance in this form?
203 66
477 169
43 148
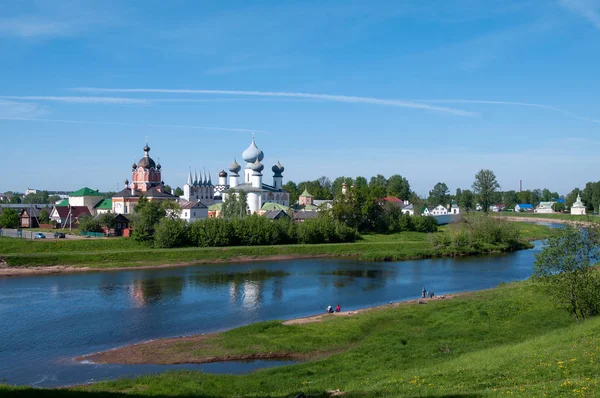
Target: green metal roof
85 192
62 203
216 206
274 206
305 193
105 204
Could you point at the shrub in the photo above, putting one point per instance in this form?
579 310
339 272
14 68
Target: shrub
171 233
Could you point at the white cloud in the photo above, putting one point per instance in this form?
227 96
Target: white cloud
26 113
587 9
550 108
283 94
13 109
80 100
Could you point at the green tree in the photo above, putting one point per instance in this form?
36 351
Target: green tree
171 233
572 197
565 267
178 191
292 188
546 195
398 186
9 218
88 223
484 186
235 206
171 208
467 200
439 195
107 220
378 181
509 198
44 217
146 217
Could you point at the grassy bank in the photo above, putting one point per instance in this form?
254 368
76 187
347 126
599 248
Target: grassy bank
560 216
510 340
122 252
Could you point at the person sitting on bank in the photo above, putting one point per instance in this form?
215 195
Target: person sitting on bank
338 308
329 309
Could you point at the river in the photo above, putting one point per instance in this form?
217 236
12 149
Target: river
45 321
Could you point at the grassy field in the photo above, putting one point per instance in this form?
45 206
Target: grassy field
560 216
507 341
123 252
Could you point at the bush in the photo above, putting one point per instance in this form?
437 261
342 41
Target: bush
89 224
171 233
424 224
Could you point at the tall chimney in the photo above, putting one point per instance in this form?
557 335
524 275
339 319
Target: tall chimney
520 185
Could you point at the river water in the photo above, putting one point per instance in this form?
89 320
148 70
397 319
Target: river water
45 321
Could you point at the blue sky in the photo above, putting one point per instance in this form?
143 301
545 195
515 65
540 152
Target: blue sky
433 91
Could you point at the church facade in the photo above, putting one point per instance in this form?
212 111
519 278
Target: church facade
146 181
251 182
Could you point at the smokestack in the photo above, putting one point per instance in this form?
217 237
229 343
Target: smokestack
520 185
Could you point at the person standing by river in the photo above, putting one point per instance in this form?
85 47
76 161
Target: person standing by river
424 292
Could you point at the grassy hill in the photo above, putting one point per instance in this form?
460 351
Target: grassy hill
506 341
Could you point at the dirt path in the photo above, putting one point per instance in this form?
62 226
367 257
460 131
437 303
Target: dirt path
546 220
188 349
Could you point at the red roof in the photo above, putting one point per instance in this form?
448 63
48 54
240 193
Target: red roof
76 211
393 199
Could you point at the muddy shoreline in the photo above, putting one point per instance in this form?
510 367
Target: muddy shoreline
166 352
6 270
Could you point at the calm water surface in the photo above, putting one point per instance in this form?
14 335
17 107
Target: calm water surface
45 321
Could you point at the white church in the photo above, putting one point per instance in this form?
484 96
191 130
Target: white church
201 189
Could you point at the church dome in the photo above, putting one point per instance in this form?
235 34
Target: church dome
252 153
257 166
223 173
278 169
235 167
147 162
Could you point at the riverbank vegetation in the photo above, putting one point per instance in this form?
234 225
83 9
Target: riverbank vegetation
509 340
124 252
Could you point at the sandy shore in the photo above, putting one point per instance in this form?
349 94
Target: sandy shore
6 270
179 350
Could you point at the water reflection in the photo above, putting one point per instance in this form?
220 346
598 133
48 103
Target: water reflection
149 291
84 313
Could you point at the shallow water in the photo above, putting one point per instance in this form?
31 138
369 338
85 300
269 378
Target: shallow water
45 321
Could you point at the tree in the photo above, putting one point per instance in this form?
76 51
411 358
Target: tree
378 181
167 188
178 191
398 186
235 205
44 217
572 197
467 200
509 198
292 188
9 218
546 195
107 220
565 267
171 233
171 208
484 187
147 216
439 195
89 224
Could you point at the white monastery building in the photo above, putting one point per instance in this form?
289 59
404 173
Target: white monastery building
578 207
251 181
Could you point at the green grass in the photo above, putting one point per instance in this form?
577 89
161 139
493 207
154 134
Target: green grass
506 341
124 252
559 216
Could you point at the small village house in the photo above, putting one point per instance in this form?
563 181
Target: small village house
523 207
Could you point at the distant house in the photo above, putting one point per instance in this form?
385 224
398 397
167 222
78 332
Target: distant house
578 207
122 225
427 211
104 206
544 208
193 210
214 211
275 214
323 204
69 215
521 207
559 200
86 197
454 209
392 200
439 210
409 209
498 207
30 217
302 215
